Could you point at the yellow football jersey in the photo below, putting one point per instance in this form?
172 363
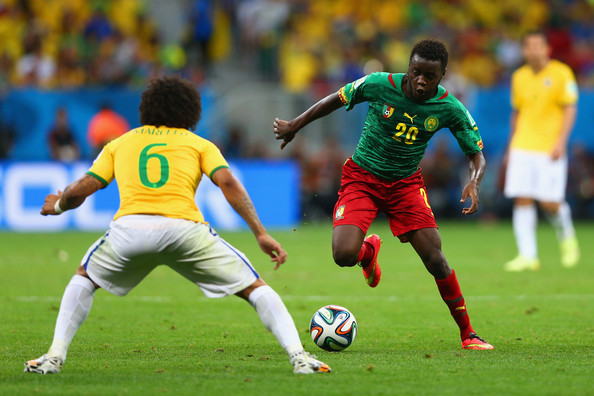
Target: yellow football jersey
539 99
158 170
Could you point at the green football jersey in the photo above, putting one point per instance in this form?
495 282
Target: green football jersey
398 129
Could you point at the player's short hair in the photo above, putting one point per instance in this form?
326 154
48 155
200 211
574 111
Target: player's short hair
170 101
433 50
535 32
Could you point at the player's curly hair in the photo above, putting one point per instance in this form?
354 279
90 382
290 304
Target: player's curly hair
433 50
170 101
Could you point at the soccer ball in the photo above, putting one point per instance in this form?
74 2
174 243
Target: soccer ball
333 328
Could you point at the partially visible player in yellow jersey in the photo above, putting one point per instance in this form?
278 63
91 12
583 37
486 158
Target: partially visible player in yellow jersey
544 107
544 97
158 167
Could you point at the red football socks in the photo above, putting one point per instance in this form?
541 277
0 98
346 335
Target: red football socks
366 252
452 296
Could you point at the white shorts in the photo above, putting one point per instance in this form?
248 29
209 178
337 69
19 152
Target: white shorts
135 244
535 175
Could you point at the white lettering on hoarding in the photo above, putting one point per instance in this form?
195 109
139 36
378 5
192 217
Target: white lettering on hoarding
23 188
18 179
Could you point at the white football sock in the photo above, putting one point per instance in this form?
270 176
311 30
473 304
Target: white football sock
74 309
525 219
276 318
562 222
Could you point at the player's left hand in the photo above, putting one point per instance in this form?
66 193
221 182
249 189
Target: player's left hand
50 203
470 190
272 248
558 152
282 131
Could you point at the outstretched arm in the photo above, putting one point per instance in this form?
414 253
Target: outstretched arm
239 199
72 197
286 130
476 167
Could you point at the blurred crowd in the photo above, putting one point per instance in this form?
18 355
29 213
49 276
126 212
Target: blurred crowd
71 43
326 40
302 43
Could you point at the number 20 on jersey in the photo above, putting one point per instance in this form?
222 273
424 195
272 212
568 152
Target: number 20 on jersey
411 133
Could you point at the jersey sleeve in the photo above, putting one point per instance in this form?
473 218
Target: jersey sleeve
465 130
361 90
211 159
568 94
102 168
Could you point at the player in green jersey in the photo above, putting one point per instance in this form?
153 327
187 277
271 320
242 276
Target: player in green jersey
405 111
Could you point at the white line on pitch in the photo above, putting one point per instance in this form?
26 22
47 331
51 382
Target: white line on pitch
290 297
156 299
520 297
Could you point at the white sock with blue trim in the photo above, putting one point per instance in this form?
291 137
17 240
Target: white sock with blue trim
74 309
276 318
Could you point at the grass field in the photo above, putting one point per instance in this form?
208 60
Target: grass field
166 338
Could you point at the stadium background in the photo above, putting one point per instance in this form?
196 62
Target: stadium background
254 60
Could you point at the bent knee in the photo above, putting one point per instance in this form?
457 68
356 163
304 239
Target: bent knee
245 293
83 272
550 207
345 257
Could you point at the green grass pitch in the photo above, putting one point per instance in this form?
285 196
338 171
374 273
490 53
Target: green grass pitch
166 338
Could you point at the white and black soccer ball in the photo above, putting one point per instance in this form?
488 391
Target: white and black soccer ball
333 328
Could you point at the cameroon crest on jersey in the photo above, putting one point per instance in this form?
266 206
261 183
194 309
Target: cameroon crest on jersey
431 123
397 129
339 215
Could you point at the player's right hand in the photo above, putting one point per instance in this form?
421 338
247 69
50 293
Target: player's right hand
282 131
49 204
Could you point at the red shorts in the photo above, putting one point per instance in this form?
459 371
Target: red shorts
362 195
